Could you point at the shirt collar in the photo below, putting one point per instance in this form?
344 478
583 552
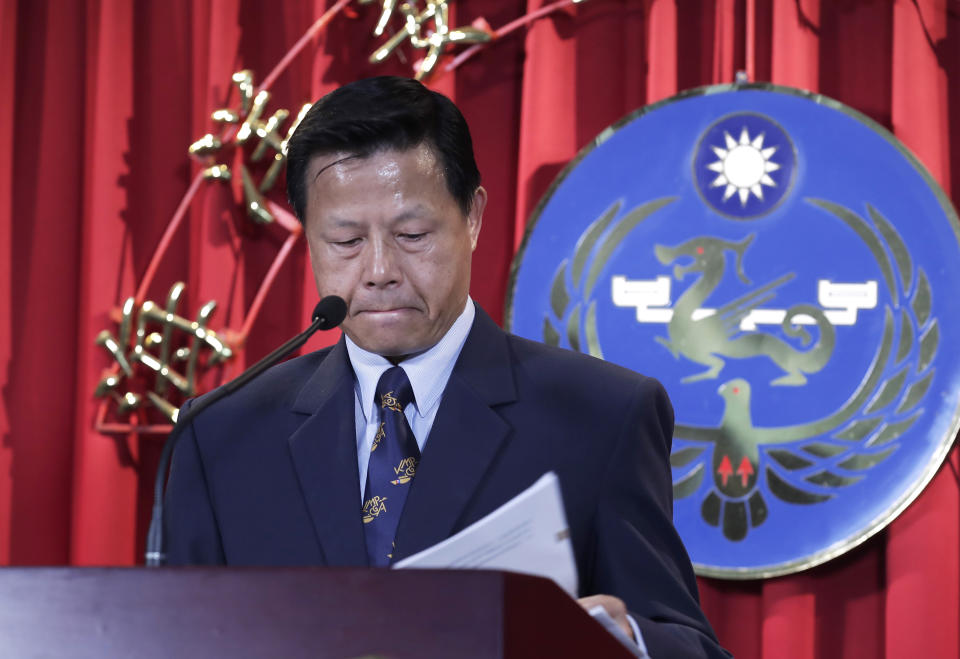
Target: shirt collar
428 372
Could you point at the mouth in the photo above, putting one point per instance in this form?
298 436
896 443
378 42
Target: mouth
384 311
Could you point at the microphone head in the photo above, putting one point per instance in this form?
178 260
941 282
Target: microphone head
330 312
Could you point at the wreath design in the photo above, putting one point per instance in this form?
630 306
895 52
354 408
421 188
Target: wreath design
801 464
570 292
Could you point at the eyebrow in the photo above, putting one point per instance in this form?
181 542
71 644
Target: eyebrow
411 213
344 222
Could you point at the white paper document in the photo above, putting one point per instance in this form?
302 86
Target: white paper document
528 534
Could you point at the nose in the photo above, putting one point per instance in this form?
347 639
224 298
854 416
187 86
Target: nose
381 266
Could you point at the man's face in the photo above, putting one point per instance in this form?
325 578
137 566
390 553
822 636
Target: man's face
386 235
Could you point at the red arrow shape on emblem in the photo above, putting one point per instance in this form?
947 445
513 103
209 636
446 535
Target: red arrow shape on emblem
725 469
745 471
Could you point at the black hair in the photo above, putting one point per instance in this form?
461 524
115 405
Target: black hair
386 112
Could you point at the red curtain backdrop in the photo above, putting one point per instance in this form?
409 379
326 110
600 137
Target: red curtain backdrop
99 100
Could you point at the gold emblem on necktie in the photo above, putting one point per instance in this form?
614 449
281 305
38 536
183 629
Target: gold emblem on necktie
381 433
405 471
373 507
389 401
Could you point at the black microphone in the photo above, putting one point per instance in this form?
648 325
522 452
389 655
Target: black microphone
329 312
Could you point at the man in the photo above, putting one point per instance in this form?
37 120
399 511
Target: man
426 416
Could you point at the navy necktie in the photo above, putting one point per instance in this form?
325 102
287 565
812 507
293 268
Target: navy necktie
393 462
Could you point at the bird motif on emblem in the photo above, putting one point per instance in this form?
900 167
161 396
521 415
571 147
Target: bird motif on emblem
805 463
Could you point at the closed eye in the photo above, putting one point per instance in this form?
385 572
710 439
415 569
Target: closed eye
347 243
412 236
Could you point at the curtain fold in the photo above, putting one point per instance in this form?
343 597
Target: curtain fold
102 465
794 32
101 99
661 50
8 61
46 181
923 577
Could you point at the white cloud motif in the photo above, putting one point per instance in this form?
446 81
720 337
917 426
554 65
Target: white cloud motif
743 166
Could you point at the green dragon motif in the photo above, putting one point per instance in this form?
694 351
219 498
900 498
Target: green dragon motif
705 340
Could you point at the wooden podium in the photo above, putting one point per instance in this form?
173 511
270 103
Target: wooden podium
342 613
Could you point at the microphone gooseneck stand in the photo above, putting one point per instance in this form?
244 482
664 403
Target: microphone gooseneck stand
328 313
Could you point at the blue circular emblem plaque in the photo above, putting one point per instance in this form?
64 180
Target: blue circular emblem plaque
784 265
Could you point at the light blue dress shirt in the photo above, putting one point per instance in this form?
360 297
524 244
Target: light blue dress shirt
428 373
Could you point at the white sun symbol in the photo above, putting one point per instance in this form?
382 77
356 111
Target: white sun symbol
744 166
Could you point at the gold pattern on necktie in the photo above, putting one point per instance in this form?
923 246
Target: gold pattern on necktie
406 470
389 401
373 507
381 433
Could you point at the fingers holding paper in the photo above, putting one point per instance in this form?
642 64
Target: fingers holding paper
614 606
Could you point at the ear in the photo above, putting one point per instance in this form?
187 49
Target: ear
475 216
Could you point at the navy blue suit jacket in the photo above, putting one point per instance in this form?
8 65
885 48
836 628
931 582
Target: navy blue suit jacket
268 476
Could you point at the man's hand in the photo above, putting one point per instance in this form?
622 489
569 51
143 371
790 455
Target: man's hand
614 606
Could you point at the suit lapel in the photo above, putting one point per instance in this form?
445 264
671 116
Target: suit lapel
324 453
466 436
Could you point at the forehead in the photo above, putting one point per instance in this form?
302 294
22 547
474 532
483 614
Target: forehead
384 168
387 183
